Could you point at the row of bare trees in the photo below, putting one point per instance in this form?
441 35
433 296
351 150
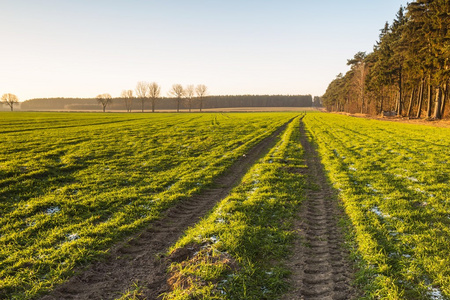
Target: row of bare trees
146 91
188 93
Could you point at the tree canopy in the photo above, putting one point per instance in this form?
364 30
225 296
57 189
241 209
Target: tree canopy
408 70
10 99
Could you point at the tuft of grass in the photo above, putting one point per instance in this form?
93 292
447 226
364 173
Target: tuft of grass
135 292
236 252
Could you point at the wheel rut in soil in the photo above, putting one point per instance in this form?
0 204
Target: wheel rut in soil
319 264
140 260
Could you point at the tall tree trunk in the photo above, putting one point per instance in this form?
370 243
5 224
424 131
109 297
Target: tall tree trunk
381 102
393 100
178 104
430 97
444 99
421 88
362 100
410 103
437 104
400 96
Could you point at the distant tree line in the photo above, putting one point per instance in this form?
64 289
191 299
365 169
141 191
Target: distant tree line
183 101
407 74
145 94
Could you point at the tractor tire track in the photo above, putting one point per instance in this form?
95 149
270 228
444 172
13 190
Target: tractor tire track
140 262
319 264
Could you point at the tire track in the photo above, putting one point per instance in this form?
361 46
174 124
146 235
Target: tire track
139 261
319 265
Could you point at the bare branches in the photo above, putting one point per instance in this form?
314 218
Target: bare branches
10 100
142 92
127 95
201 90
154 91
177 91
104 100
146 91
189 94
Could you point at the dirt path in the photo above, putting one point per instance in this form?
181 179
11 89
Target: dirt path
139 262
319 266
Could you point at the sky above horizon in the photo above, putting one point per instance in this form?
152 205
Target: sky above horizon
62 48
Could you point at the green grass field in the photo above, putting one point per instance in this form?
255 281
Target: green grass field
73 184
393 179
247 236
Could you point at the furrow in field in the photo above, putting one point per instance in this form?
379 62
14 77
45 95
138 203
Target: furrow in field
138 261
319 264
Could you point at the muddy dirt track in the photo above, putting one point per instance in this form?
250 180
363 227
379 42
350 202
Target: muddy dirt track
139 260
319 263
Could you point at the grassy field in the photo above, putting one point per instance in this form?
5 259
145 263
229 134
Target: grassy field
240 245
73 184
393 179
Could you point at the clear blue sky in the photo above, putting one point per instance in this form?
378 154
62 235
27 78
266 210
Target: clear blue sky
82 48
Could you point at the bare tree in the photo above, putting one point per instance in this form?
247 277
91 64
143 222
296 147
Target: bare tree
358 65
189 94
201 90
178 92
104 100
10 100
154 91
127 96
142 92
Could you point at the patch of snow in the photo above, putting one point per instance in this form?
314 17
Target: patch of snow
435 293
52 210
253 190
379 213
220 220
372 188
73 237
412 179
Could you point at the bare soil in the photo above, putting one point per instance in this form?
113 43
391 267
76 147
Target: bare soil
140 260
320 266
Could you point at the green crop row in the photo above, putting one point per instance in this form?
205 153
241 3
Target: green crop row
237 251
73 184
393 179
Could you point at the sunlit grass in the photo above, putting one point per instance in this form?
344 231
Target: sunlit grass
73 184
239 248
